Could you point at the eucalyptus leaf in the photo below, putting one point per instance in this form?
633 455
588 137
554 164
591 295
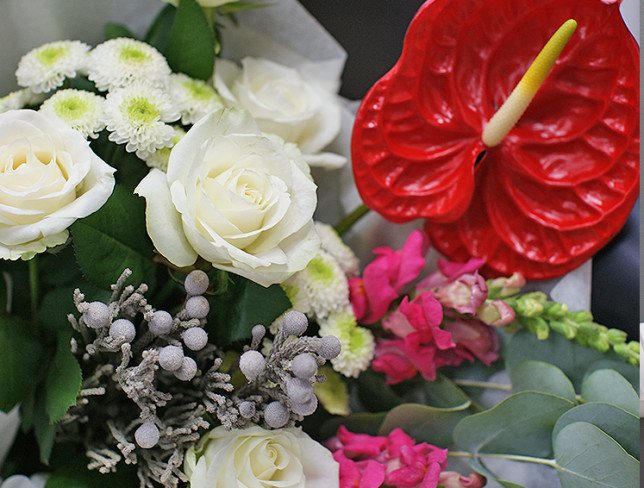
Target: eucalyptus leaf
479 466
444 393
521 424
540 376
20 361
115 238
243 305
63 380
628 371
572 358
608 386
426 424
590 458
616 422
190 49
374 393
362 422
235 7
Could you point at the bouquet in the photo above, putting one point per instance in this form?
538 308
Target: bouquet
182 302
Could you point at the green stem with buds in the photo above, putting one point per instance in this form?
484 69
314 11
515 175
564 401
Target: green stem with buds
347 222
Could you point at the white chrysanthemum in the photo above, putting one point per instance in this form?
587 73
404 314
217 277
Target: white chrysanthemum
16 100
357 343
343 254
46 67
81 110
194 98
159 158
319 289
119 62
136 116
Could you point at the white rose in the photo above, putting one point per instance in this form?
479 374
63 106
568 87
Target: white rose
241 200
294 104
260 458
49 177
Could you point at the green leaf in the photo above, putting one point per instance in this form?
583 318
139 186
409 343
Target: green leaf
63 380
44 430
333 393
375 393
242 306
628 371
540 376
521 424
114 30
426 424
616 422
572 358
479 466
443 393
131 170
590 458
159 33
609 386
191 46
234 7
363 423
59 269
54 308
115 238
19 361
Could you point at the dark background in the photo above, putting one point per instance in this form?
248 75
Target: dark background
372 33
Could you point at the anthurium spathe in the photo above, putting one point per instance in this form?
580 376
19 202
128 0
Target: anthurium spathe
558 186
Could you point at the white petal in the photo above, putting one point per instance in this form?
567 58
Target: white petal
163 222
325 160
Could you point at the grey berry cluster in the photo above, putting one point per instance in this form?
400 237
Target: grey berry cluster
284 378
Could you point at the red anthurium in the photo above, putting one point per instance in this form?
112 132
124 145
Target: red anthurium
558 186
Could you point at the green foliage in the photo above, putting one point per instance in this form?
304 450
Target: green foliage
190 49
573 359
235 7
375 394
159 33
44 430
363 422
444 393
63 381
521 424
617 423
19 361
543 377
426 424
590 458
244 304
114 30
608 386
115 238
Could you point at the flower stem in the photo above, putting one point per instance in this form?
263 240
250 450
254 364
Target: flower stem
510 457
484 384
347 222
34 286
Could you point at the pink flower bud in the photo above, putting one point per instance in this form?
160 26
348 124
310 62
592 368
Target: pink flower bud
496 313
465 295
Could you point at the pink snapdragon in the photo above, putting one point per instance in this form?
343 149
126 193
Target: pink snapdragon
395 460
452 479
385 277
420 345
457 285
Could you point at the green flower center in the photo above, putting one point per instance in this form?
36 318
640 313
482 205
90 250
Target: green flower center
49 55
199 91
141 110
320 270
133 54
71 108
